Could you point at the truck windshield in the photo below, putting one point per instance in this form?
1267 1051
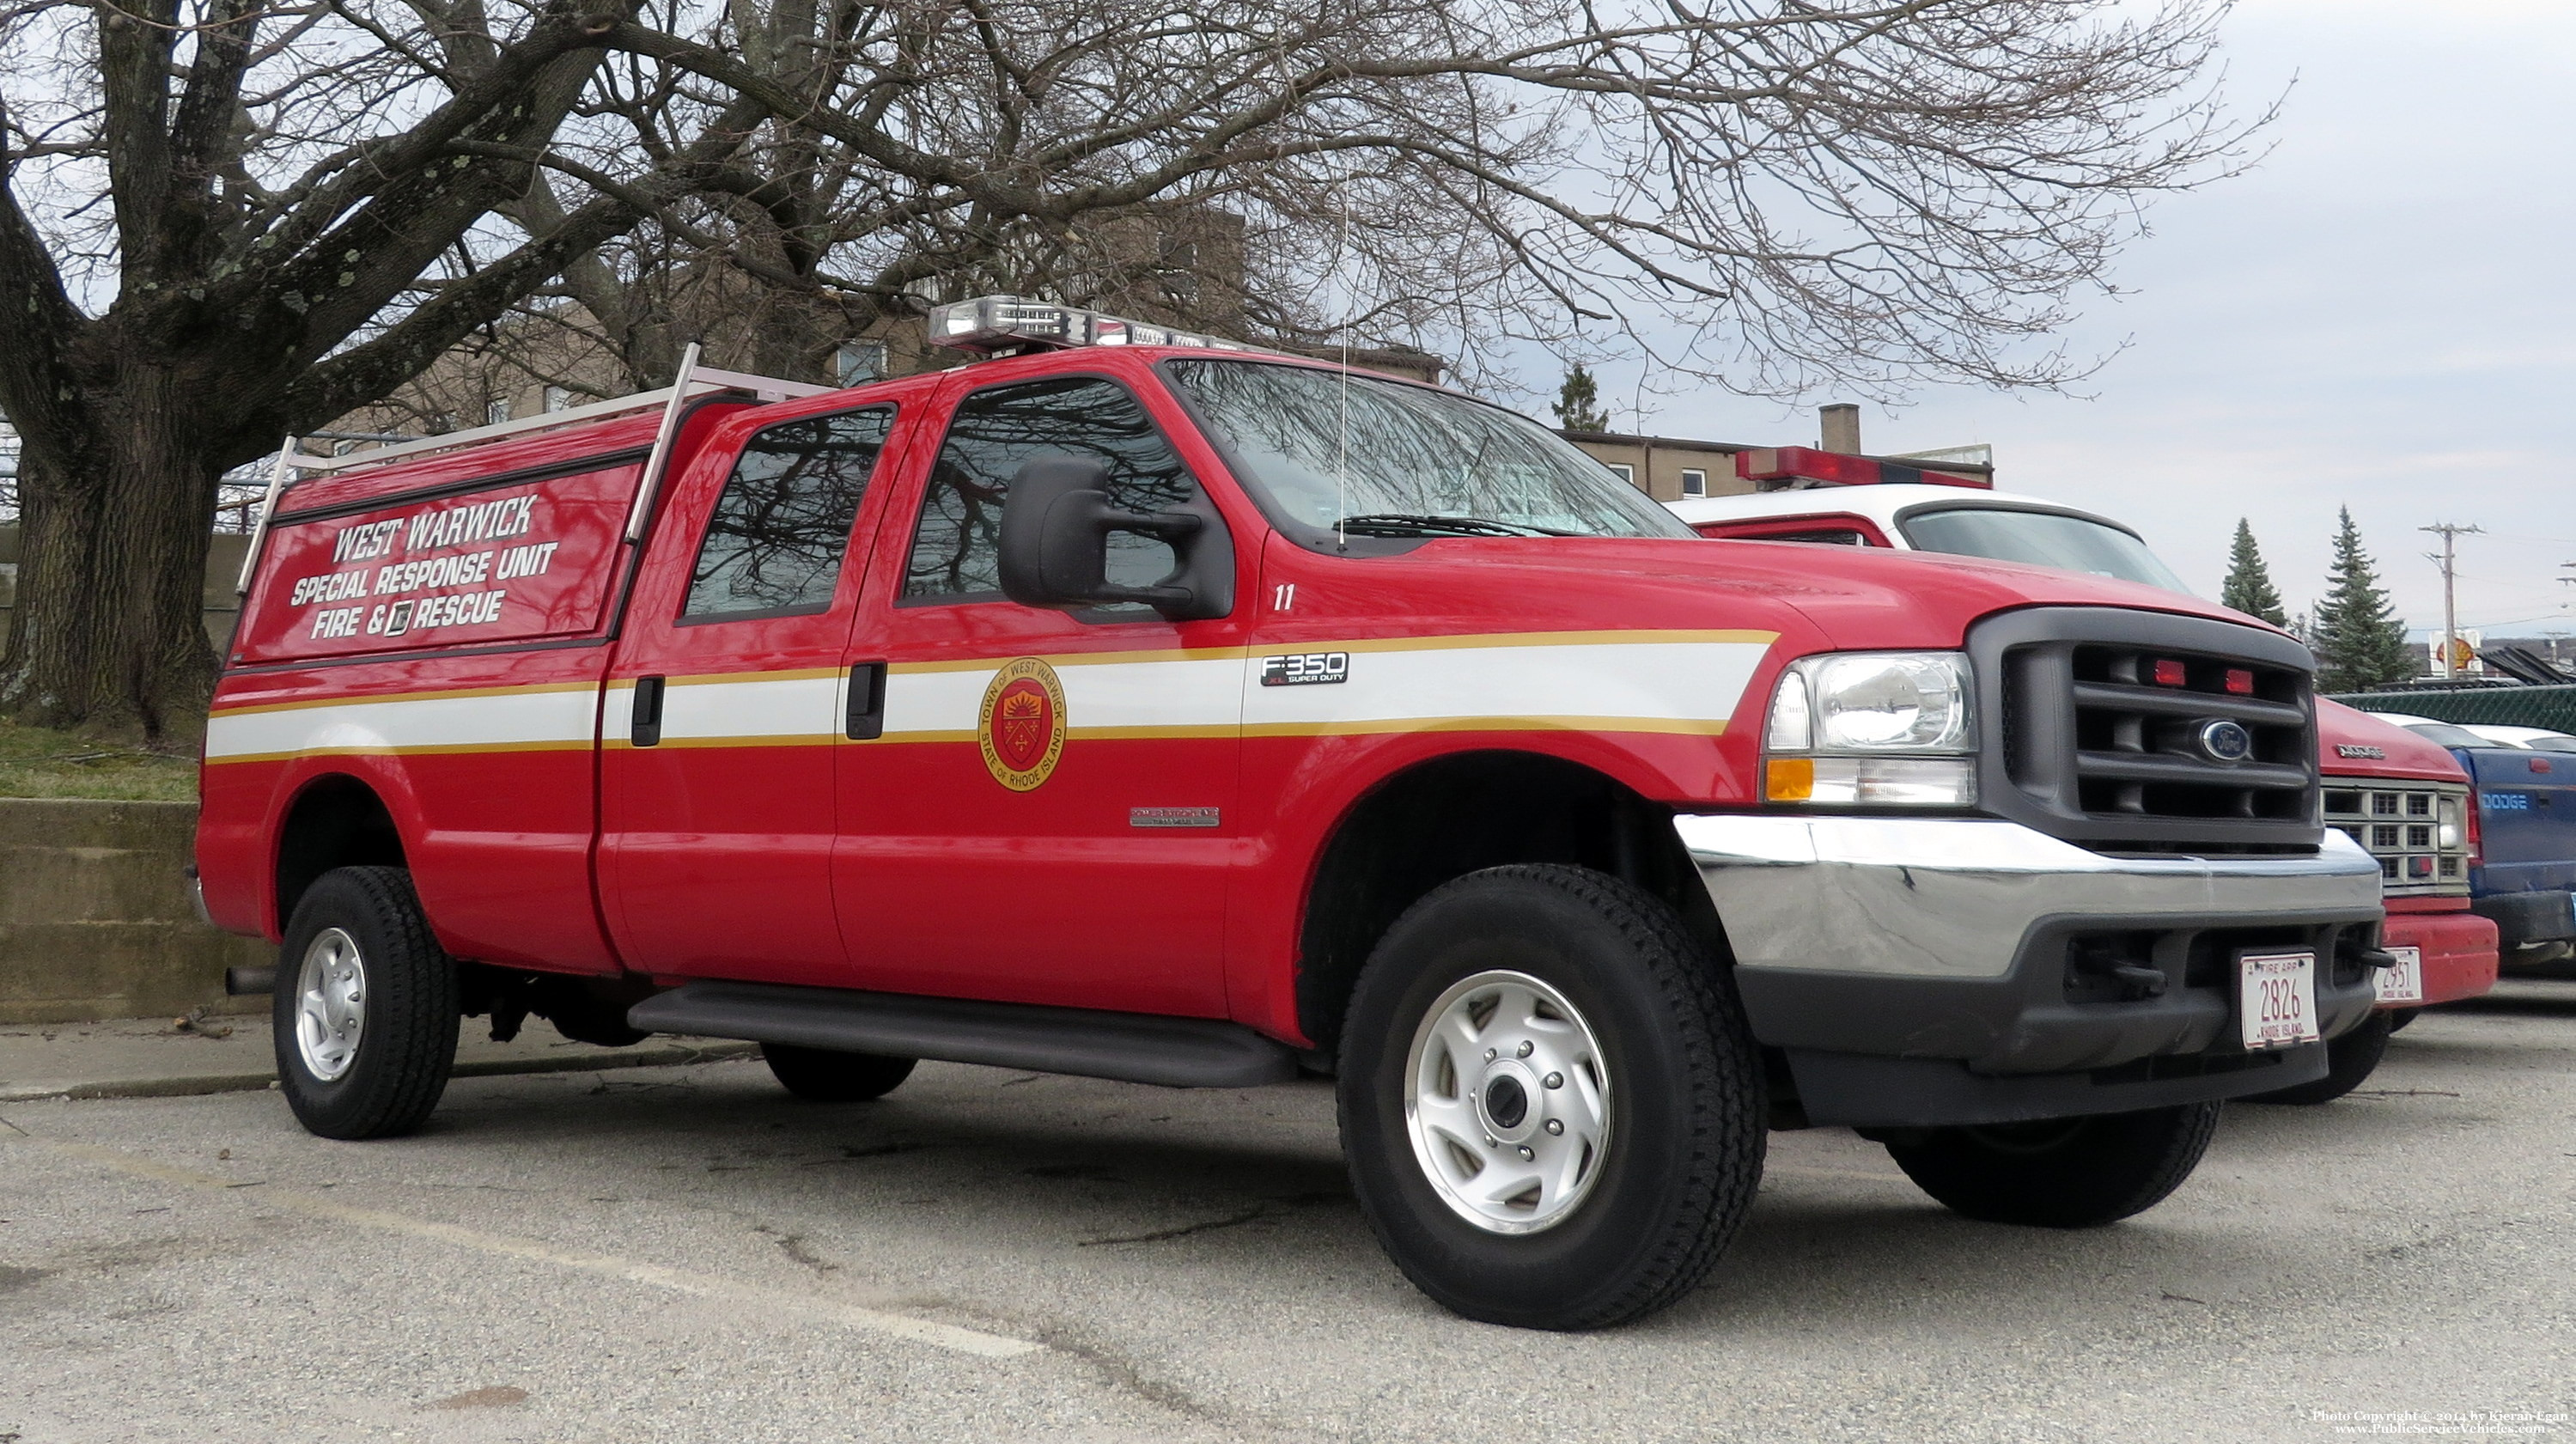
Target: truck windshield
2041 539
1377 458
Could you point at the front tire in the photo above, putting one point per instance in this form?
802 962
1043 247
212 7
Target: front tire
2061 1172
821 1075
2350 1060
1552 1108
365 1011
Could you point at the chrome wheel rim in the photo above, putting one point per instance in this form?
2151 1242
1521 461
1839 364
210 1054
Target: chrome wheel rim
330 1004
1508 1103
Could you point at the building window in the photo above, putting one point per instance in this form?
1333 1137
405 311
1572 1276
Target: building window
1694 483
860 361
558 398
1623 471
496 412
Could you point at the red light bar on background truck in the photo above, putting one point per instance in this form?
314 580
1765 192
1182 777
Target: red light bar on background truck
1793 468
1000 325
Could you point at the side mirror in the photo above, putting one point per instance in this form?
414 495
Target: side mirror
1056 526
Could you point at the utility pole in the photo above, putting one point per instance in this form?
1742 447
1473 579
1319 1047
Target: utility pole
2450 578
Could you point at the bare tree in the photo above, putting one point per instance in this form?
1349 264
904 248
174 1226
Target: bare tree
225 222
1768 195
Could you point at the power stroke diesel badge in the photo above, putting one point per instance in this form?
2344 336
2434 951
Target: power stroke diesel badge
1021 728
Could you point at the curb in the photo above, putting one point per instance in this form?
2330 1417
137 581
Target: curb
197 1085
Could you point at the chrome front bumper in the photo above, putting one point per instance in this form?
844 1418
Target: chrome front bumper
1922 972
1929 897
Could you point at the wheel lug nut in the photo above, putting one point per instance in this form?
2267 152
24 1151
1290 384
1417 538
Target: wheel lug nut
1491 1055
1554 1080
1527 1153
1556 1125
1527 1048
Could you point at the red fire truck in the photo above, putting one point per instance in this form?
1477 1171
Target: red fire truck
2404 799
1127 705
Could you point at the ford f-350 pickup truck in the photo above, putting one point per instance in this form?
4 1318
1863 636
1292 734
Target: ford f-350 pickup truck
1129 705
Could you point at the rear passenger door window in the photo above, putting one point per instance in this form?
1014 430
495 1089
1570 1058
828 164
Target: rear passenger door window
956 544
777 534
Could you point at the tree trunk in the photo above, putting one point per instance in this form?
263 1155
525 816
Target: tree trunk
109 634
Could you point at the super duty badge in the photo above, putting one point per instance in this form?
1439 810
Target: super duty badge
2357 750
1305 669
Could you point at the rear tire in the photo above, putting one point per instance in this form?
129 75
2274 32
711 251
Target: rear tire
365 1008
2350 1060
1552 1108
2398 1018
820 1075
2062 1172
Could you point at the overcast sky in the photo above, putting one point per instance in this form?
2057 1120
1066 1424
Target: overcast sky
2381 315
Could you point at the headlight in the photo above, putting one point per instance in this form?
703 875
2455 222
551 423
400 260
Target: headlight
1885 728
1873 702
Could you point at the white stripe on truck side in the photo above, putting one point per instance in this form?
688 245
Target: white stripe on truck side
741 709
537 719
1688 683
1605 686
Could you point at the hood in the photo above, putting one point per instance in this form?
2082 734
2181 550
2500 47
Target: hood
1857 597
2346 735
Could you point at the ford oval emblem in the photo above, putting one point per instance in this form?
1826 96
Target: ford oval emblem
2226 741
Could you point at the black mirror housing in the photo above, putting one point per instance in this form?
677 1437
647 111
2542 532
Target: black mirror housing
1054 551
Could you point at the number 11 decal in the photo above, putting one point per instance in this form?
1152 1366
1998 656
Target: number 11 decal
1283 596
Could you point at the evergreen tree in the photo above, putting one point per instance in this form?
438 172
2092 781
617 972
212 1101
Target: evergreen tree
1578 402
2249 586
2360 640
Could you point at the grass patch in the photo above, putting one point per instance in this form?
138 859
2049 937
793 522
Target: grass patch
41 762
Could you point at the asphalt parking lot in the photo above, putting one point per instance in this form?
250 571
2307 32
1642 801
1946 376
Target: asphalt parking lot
686 1253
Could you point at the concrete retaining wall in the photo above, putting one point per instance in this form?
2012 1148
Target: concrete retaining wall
94 915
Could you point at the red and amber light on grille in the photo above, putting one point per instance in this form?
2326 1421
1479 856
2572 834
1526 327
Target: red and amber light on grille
2170 673
2240 681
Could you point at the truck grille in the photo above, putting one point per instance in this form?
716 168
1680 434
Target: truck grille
2415 829
2139 731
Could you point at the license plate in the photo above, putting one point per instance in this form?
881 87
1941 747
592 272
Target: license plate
2403 982
2276 999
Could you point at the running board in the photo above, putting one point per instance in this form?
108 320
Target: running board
1130 1047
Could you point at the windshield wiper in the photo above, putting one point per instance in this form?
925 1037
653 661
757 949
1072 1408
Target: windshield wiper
1403 523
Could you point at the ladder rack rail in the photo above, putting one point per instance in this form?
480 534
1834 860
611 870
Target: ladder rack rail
694 381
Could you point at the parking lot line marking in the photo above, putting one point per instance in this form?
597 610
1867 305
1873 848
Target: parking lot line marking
685 1281
1805 1170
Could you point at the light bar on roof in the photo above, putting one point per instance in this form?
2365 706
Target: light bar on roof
999 325
1793 468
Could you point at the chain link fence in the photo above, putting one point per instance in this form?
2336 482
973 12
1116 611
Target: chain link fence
2550 707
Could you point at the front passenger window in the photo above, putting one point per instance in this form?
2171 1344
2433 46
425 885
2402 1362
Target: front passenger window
956 547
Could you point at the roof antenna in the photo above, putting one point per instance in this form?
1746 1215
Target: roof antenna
1342 455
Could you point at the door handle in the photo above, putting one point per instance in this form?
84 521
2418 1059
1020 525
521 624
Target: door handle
867 701
647 715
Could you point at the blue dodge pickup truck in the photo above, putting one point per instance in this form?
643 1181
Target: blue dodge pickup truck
2522 857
